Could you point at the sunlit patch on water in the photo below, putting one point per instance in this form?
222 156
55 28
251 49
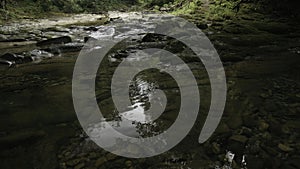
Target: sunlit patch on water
134 122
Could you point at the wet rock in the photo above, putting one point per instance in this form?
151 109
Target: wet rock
79 166
284 147
151 37
120 54
12 57
115 19
13 40
216 148
2 38
264 95
89 38
231 58
262 125
239 138
111 156
266 136
57 29
73 162
6 63
128 163
59 40
164 9
247 132
71 47
175 46
253 145
40 54
91 28
100 161
92 155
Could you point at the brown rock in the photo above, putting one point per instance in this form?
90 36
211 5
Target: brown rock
284 147
239 138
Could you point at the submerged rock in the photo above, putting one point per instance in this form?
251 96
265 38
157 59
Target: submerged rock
59 40
231 58
39 54
71 47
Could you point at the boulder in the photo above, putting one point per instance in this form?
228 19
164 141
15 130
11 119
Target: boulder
6 63
12 57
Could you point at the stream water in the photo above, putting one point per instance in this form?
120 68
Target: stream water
38 124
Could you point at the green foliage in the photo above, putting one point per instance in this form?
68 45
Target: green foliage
155 3
221 9
40 8
186 8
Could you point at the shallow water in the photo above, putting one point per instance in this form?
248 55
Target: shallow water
36 100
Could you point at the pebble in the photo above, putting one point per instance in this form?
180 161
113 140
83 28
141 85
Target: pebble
92 155
79 166
264 95
73 162
263 126
111 156
284 147
216 148
128 163
239 138
100 161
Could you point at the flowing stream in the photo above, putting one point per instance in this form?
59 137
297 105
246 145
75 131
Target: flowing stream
38 122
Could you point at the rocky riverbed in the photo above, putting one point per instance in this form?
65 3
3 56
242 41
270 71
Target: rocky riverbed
260 124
